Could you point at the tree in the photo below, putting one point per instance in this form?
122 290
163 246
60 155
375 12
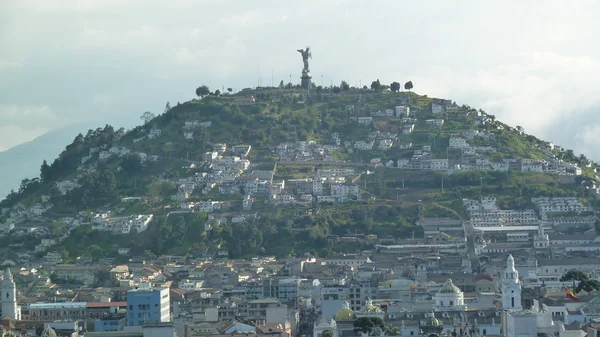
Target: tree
327 333
408 85
95 252
345 86
578 276
147 117
588 286
376 85
132 163
395 86
371 326
202 91
281 85
230 89
336 90
44 171
217 92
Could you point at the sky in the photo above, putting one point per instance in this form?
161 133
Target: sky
530 63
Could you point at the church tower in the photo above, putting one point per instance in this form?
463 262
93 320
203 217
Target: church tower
9 296
511 286
541 240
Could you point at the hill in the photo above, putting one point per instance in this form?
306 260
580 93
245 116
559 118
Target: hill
276 171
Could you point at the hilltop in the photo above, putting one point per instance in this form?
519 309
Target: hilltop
279 171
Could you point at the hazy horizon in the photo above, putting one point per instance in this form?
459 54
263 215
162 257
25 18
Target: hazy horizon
79 61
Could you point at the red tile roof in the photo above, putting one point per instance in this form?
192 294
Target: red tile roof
105 304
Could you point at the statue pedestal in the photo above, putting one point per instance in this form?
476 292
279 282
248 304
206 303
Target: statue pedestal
306 80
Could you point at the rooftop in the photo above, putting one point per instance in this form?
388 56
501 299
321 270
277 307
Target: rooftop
105 304
64 305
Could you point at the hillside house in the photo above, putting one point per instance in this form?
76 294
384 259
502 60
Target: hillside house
154 133
499 166
66 186
362 145
435 122
188 135
220 147
457 143
436 108
343 190
408 129
438 164
385 144
364 120
103 155
241 150
119 150
402 111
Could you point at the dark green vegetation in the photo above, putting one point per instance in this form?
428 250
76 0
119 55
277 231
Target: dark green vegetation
391 200
581 281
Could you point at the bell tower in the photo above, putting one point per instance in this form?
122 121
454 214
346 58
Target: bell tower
511 286
9 296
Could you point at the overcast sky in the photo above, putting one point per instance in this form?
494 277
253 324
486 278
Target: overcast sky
110 60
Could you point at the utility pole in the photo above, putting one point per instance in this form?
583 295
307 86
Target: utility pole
402 183
442 183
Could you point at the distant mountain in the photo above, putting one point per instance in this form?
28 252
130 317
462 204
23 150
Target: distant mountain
24 160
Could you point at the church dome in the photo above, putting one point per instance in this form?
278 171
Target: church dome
449 288
432 321
345 314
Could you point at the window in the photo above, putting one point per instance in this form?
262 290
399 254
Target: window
412 333
484 331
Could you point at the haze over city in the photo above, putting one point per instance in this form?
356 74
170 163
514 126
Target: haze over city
98 61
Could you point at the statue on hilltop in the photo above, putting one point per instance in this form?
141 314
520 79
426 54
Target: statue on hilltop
305 56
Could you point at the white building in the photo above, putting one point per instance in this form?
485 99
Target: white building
438 164
435 122
9 297
511 286
364 120
402 111
154 133
436 108
458 143
342 190
362 145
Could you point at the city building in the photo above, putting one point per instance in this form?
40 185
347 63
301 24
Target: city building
148 305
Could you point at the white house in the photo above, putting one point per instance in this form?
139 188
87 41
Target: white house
343 190
364 120
435 122
458 143
102 155
385 144
436 108
154 133
402 111
66 186
363 145
188 135
439 164
408 129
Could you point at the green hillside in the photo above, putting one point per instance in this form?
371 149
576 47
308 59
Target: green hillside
391 198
